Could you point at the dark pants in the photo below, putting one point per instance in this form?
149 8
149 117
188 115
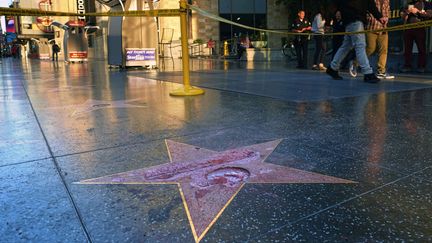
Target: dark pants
419 36
336 43
55 55
320 49
302 53
240 50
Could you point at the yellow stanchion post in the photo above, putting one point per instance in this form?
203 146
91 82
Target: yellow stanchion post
226 52
187 89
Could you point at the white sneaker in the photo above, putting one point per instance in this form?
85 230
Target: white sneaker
385 76
322 67
352 69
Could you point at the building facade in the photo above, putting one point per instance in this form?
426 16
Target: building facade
263 14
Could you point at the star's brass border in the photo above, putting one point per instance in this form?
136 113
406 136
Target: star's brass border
197 237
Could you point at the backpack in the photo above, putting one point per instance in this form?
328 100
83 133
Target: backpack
56 48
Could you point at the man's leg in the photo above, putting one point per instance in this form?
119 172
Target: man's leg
341 53
239 51
305 54
420 40
336 43
318 41
371 41
408 41
359 43
298 49
382 52
323 50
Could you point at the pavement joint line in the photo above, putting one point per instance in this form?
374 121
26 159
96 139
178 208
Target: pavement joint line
289 70
150 141
293 70
59 172
26 162
231 91
421 178
165 79
340 203
143 142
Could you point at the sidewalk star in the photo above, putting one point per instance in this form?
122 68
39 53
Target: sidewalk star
208 180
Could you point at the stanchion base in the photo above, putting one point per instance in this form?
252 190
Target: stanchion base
187 91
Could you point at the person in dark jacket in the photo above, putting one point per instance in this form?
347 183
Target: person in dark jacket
55 51
354 13
416 12
338 27
301 25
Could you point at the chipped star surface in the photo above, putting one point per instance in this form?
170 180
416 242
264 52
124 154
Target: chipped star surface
209 180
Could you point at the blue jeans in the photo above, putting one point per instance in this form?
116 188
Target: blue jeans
358 42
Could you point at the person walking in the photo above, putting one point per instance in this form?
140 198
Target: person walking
318 26
354 13
242 46
378 41
415 12
55 51
301 25
337 40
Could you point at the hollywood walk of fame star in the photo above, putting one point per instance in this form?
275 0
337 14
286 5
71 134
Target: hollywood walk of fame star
93 105
208 180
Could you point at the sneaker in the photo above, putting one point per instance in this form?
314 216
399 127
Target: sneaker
333 73
321 67
385 76
315 67
371 78
352 69
405 69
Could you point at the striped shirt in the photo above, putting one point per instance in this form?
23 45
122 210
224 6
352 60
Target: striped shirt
384 7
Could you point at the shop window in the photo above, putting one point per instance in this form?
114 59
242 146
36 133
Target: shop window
247 12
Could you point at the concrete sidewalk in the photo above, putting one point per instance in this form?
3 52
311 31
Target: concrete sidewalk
268 154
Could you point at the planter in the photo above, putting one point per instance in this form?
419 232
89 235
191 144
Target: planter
259 44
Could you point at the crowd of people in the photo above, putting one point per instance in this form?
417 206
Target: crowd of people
354 16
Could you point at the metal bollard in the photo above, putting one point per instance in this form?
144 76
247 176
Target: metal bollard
226 51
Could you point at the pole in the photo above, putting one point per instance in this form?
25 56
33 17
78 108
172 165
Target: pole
187 89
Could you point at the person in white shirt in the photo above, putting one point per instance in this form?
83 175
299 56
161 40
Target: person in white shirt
318 28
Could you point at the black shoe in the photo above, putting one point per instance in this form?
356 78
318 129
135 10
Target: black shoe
371 78
333 73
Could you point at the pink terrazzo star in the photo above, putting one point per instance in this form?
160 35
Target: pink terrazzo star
208 180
